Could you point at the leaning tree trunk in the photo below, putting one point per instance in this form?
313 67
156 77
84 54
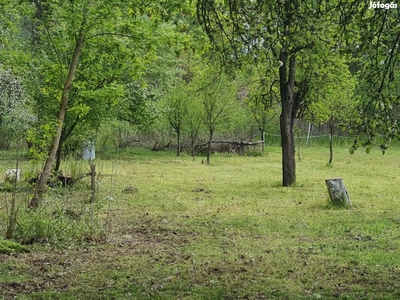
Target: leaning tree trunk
64 136
287 119
58 155
41 184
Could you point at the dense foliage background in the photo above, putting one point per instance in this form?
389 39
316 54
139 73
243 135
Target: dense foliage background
149 74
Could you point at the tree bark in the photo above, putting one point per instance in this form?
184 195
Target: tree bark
58 155
331 127
178 141
193 136
193 152
263 141
287 119
209 146
41 184
64 136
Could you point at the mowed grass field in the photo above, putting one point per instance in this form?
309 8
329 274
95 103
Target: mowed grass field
174 228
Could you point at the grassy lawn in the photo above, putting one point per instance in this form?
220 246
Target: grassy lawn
173 228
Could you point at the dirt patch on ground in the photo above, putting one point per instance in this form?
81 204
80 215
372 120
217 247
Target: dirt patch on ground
56 270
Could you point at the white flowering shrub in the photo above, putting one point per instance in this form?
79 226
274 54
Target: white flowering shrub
15 112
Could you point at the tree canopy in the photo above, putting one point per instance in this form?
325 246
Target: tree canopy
82 63
279 35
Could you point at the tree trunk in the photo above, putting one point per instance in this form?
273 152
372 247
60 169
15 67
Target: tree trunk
192 144
193 150
288 151
330 143
193 136
263 141
209 146
41 184
178 141
58 155
298 145
64 136
287 119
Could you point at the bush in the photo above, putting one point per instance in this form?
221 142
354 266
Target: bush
59 226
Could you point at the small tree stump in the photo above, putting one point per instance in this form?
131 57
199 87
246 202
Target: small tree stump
338 192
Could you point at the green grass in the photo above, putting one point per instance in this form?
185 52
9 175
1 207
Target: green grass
225 231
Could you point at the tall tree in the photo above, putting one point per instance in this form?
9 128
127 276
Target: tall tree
372 30
332 95
87 52
176 110
193 120
262 100
80 39
218 99
269 34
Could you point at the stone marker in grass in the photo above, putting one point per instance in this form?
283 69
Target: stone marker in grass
338 192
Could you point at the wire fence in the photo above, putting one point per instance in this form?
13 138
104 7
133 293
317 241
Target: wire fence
311 140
